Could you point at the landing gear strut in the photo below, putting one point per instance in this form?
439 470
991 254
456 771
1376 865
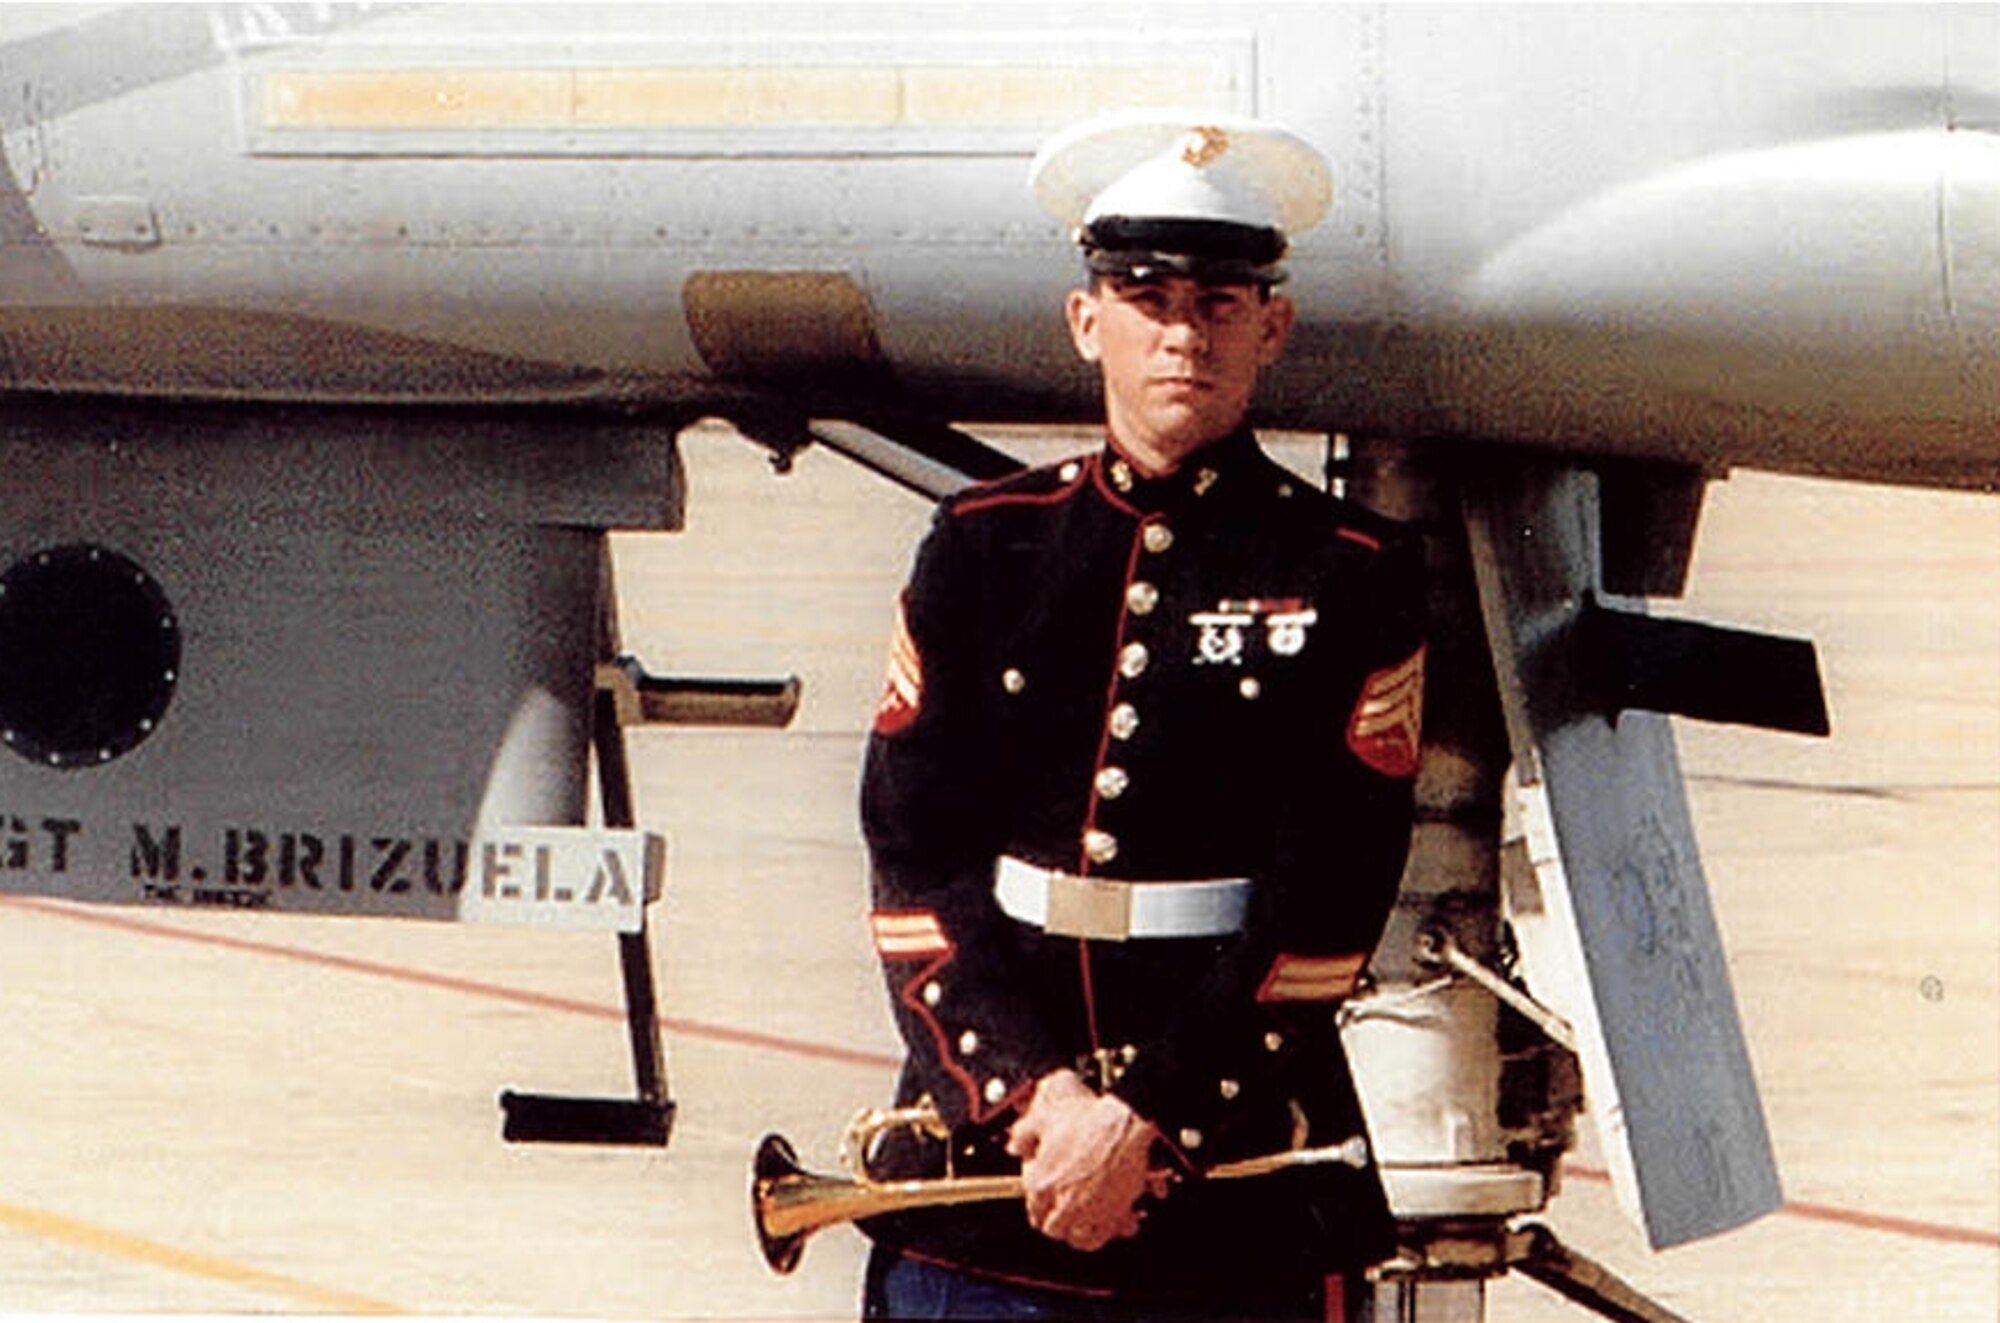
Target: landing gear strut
1470 1085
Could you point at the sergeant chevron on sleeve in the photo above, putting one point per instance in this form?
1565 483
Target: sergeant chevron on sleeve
1139 789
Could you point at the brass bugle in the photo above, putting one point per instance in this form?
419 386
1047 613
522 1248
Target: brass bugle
789 1203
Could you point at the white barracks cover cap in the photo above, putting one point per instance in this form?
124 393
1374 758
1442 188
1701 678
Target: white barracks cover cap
1213 196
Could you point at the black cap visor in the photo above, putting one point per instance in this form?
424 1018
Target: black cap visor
1213 252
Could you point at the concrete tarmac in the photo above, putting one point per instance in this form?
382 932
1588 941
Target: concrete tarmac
229 1114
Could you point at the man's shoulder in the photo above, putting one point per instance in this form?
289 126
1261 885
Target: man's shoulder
1357 525
1040 486
1298 510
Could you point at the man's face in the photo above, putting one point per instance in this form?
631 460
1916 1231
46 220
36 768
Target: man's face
1180 358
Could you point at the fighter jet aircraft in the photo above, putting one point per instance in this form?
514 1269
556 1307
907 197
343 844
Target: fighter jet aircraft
333 338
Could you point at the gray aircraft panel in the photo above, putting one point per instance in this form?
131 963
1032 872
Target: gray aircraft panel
1611 860
381 634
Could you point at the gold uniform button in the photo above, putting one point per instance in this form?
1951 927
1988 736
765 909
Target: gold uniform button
1157 538
1132 660
1101 846
968 1043
933 994
1284 489
1013 681
1249 687
1121 475
995 1090
1069 471
1273 1041
1190 1138
1124 721
1111 782
1230 1089
1141 598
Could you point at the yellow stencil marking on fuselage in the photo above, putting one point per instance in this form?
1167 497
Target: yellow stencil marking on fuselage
724 96
391 99
733 97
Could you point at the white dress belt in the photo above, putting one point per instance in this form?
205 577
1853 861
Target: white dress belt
1108 909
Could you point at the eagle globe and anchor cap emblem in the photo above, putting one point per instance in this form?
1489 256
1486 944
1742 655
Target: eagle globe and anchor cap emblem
1215 197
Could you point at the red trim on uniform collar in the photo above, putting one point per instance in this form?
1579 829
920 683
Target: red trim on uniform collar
1150 488
1139 468
1107 491
1218 454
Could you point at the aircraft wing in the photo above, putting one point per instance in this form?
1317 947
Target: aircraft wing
1696 235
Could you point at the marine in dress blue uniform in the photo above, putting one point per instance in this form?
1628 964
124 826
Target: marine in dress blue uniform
1137 800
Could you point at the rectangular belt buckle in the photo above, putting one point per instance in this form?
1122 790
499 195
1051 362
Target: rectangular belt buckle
1091 907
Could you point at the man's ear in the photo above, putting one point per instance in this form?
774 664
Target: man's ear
1279 314
1081 311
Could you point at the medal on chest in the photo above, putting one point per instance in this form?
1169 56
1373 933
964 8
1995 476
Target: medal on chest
1224 633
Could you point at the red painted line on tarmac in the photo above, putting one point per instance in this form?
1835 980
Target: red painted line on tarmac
1899 1226
452 983
1895 1226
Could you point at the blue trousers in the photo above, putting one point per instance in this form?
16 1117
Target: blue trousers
903 1288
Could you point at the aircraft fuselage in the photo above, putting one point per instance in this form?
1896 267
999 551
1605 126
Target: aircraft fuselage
1713 235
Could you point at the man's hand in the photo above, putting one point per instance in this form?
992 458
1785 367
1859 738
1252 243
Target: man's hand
1084 1162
